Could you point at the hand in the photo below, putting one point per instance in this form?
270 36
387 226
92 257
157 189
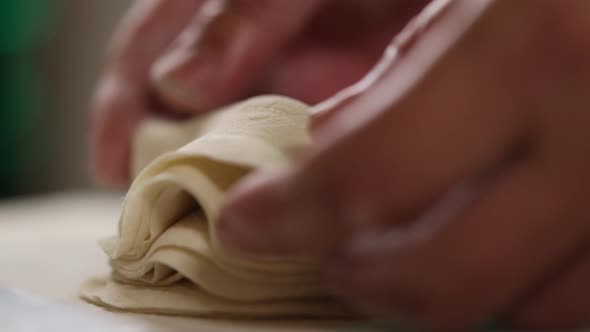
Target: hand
454 189
191 56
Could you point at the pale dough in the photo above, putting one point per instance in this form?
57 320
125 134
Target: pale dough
167 258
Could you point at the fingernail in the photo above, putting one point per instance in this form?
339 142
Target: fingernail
191 74
184 78
358 259
373 242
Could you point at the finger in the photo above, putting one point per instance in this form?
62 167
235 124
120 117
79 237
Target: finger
148 29
226 49
464 272
448 126
323 111
121 100
117 110
562 304
342 42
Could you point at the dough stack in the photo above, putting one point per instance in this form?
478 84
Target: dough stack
167 259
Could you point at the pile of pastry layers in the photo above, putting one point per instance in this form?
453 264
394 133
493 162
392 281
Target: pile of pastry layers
167 258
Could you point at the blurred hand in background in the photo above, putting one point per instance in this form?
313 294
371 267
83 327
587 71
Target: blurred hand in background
194 55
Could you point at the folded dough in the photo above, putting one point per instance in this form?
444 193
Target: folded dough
167 258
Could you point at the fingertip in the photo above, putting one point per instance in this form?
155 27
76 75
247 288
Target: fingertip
109 162
116 112
247 200
186 77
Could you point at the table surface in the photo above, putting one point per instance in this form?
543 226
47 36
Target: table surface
48 247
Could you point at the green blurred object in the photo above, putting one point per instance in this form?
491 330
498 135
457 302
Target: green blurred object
25 27
25 24
21 123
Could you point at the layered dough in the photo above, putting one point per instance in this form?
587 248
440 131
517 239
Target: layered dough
167 258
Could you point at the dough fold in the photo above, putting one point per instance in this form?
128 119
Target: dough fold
167 259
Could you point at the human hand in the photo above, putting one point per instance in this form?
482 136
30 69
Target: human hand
454 188
183 57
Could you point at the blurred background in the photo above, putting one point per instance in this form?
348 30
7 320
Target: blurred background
50 56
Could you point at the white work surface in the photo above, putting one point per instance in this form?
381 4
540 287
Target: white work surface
48 247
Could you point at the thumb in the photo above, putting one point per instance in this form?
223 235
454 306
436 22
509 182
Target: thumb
224 51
